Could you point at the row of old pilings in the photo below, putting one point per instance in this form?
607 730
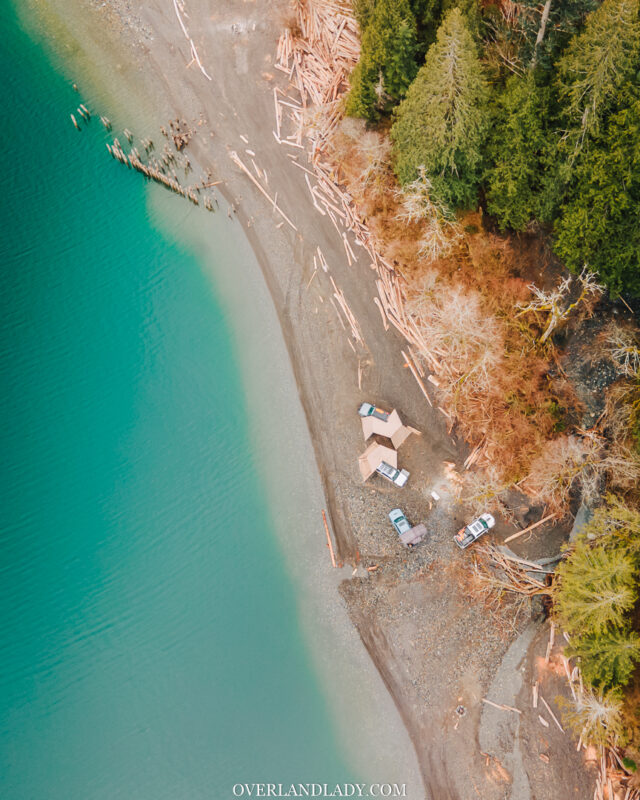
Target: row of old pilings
155 171
133 161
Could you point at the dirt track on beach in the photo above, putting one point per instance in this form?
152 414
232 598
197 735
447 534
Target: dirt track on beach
435 648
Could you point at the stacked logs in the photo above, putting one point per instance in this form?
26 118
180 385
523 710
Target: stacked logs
318 63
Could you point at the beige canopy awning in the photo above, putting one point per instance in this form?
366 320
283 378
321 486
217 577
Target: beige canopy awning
370 460
393 428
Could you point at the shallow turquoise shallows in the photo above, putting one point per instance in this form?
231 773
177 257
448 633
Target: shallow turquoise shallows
149 642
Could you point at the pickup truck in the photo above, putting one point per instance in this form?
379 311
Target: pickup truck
474 530
367 410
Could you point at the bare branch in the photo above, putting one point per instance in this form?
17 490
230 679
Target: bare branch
557 301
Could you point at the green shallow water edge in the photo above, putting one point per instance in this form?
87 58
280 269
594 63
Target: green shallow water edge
150 639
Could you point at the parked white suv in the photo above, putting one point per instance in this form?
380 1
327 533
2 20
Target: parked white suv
397 476
399 521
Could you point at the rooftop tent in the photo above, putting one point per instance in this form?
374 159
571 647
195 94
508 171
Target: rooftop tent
370 460
414 536
392 428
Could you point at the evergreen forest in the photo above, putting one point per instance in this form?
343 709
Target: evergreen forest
532 112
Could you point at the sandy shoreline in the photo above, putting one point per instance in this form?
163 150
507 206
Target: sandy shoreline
433 651
356 693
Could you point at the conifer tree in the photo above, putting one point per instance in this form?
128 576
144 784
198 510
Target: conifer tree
429 14
387 58
615 524
519 145
442 122
426 11
536 33
595 588
607 660
599 222
595 65
362 11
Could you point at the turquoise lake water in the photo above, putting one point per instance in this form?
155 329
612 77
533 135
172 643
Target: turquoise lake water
149 641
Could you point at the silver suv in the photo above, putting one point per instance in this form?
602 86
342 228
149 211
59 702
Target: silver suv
397 476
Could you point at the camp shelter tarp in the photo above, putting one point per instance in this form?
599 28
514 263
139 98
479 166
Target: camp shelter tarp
370 460
392 428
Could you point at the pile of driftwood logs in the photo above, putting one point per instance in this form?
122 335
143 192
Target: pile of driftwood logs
318 63
318 60
508 572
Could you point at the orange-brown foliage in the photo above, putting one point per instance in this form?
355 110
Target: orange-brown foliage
513 410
